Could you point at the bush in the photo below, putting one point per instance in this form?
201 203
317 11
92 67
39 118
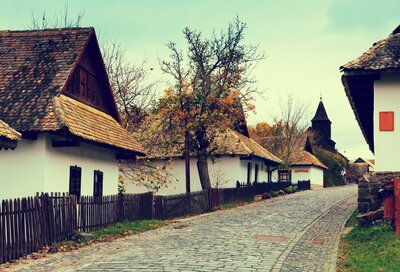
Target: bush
281 192
336 165
266 196
290 190
274 194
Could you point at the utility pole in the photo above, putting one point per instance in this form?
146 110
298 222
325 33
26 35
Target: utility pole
187 155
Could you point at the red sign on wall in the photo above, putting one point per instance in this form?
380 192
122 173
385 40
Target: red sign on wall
301 171
386 121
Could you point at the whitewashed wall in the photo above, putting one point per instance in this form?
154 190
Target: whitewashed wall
35 166
301 175
22 171
387 143
317 176
89 158
314 174
228 168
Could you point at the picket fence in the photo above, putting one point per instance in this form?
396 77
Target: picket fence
28 224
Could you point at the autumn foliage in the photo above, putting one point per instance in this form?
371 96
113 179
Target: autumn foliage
211 90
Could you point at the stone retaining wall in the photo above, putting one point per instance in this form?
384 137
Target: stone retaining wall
370 206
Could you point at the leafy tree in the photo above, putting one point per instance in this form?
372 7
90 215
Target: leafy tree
336 165
212 88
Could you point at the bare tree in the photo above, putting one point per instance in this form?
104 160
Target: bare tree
294 122
133 92
56 21
218 73
287 134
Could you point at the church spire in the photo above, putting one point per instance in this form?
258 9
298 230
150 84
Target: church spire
320 114
321 126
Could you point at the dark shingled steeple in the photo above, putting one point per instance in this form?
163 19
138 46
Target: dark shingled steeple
321 126
320 114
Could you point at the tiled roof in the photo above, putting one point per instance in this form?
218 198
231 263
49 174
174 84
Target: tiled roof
305 158
9 133
34 66
232 142
384 54
229 142
299 155
93 125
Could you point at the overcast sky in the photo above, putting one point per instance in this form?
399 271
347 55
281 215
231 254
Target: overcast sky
305 43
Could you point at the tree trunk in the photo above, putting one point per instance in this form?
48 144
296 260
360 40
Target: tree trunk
202 167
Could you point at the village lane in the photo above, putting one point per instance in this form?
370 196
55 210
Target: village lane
297 232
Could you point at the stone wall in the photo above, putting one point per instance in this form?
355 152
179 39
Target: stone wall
370 206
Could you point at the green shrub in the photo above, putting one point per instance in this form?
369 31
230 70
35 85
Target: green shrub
274 194
290 190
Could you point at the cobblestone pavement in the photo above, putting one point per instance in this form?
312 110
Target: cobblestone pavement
297 232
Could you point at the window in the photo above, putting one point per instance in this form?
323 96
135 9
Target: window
248 172
256 173
98 183
284 175
75 174
83 85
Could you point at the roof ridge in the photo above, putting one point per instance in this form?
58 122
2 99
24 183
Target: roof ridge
396 30
234 133
10 133
260 146
238 135
45 29
59 112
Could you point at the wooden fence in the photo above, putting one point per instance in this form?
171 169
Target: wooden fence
100 212
30 223
227 195
167 207
263 187
303 185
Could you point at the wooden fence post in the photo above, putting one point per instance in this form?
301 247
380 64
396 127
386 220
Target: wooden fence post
396 194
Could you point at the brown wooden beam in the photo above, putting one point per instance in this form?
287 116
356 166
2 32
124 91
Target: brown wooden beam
30 135
125 156
65 143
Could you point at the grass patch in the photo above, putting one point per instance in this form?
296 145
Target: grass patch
352 221
372 249
127 228
110 233
229 205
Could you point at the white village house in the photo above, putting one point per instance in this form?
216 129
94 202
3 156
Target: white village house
236 158
303 165
372 85
54 90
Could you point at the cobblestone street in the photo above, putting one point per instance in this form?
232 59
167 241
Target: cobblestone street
297 232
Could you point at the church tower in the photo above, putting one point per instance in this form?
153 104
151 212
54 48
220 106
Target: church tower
321 126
